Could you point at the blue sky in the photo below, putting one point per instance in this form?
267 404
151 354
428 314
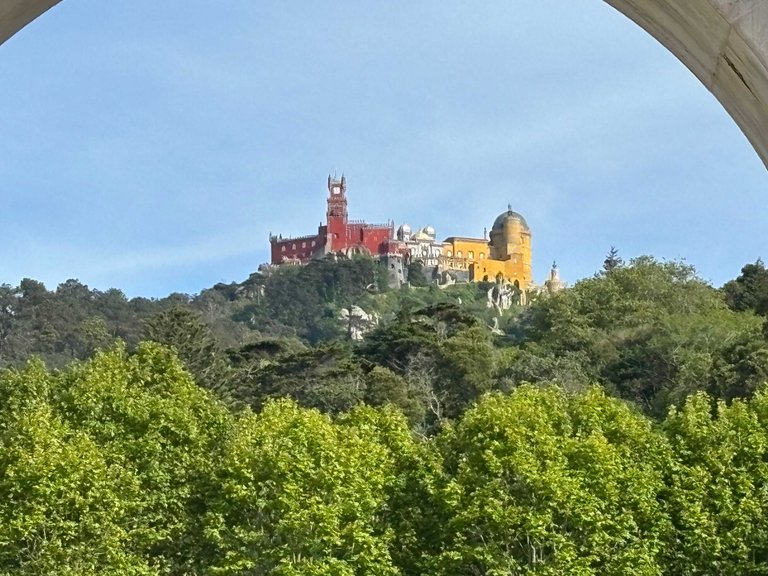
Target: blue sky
152 146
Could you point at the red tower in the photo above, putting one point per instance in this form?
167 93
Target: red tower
336 215
338 234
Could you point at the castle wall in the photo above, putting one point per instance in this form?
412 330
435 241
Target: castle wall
373 237
300 248
509 270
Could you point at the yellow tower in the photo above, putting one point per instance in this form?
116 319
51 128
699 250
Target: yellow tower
509 252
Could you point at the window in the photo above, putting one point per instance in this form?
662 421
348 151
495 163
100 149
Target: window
471 254
293 246
313 243
449 253
458 253
482 255
282 248
303 244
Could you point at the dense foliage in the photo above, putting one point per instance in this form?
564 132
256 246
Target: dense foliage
649 332
618 427
122 465
71 322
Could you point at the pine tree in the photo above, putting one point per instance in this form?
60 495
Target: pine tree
612 260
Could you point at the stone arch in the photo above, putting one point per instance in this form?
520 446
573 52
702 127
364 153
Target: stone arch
723 42
15 14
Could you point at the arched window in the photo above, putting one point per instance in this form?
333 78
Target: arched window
458 253
482 255
293 246
471 254
282 248
449 253
303 244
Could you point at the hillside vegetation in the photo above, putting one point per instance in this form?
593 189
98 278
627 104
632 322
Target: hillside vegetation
618 427
650 332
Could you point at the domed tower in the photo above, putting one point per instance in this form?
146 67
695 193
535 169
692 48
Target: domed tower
511 242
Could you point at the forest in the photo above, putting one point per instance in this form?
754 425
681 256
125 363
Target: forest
617 427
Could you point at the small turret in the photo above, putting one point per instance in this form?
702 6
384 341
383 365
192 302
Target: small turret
554 284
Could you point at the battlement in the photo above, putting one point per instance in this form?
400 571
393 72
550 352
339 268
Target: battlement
364 224
278 239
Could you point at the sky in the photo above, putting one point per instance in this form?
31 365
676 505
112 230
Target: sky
153 146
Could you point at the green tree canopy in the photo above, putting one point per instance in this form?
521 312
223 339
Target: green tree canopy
651 332
545 483
749 291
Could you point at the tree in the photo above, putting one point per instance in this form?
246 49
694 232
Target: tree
750 290
650 332
717 487
184 331
103 465
298 494
9 308
534 364
446 357
326 377
66 509
612 260
383 387
412 516
740 369
540 482
415 274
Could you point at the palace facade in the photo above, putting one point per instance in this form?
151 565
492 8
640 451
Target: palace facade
504 257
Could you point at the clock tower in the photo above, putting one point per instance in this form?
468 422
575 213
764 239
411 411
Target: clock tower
336 215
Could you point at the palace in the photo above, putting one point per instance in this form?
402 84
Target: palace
338 234
504 257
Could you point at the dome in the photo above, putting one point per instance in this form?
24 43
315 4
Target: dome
429 231
422 236
498 224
